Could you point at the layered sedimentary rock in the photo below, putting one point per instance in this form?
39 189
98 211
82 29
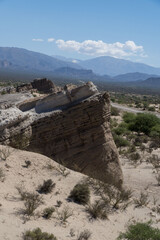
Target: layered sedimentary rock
77 135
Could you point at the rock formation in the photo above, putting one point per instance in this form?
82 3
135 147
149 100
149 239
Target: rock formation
42 85
71 127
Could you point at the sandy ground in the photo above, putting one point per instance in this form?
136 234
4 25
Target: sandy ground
12 221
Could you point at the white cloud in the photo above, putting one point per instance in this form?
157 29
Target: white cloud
37 40
51 40
100 48
74 61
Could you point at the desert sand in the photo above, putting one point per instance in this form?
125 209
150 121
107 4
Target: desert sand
13 223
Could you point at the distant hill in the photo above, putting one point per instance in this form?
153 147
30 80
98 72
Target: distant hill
22 59
114 66
129 77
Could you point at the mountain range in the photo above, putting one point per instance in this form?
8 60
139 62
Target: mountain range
18 63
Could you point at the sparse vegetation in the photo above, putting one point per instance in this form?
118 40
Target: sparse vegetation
31 204
31 201
111 197
63 170
98 210
142 200
84 235
37 234
2 175
64 214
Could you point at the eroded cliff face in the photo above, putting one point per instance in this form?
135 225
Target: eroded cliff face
78 136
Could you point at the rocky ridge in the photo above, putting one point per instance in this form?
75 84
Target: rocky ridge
71 127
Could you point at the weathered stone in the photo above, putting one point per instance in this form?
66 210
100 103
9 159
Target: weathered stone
78 136
24 87
44 85
66 97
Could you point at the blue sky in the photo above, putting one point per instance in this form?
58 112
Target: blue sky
83 29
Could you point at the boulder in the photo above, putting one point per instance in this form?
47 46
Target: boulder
78 135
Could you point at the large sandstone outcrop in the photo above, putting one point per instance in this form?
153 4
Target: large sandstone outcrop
77 135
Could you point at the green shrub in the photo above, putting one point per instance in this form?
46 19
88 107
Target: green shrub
121 129
144 122
152 109
37 234
155 131
120 141
46 187
47 212
140 231
80 193
129 117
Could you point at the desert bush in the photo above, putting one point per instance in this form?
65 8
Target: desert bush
143 148
59 203
140 231
31 204
27 195
47 212
31 201
151 109
120 141
142 200
98 210
80 193
113 197
62 169
28 163
64 214
121 129
131 149
135 158
37 234
46 187
2 175
154 144
84 235
113 123
114 111
5 152
154 160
